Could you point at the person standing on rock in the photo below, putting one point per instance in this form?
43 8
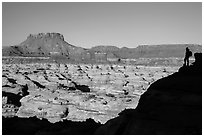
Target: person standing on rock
187 56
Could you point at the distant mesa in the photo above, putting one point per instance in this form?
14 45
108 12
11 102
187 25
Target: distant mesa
53 44
45 45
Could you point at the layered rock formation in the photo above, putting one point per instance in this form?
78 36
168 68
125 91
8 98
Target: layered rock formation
46 45
53 45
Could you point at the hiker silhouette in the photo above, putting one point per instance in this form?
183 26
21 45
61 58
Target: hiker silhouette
187 56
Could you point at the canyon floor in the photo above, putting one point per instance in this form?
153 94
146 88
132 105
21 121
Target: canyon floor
58 92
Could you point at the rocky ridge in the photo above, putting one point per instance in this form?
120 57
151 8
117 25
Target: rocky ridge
170 106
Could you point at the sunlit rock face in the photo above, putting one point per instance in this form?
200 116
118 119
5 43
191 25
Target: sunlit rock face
75 92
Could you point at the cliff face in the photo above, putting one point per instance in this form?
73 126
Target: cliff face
45 44
172 105
49 44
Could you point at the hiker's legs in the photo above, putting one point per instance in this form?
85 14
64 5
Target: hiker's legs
188 62
185 59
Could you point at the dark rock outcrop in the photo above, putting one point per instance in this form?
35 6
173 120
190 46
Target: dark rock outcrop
12 98
35 126
172 105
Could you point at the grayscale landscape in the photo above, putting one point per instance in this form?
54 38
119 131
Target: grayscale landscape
51 86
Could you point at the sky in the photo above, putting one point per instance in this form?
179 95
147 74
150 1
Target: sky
92 24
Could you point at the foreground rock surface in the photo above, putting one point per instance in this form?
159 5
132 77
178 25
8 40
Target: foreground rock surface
171 105
35 126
